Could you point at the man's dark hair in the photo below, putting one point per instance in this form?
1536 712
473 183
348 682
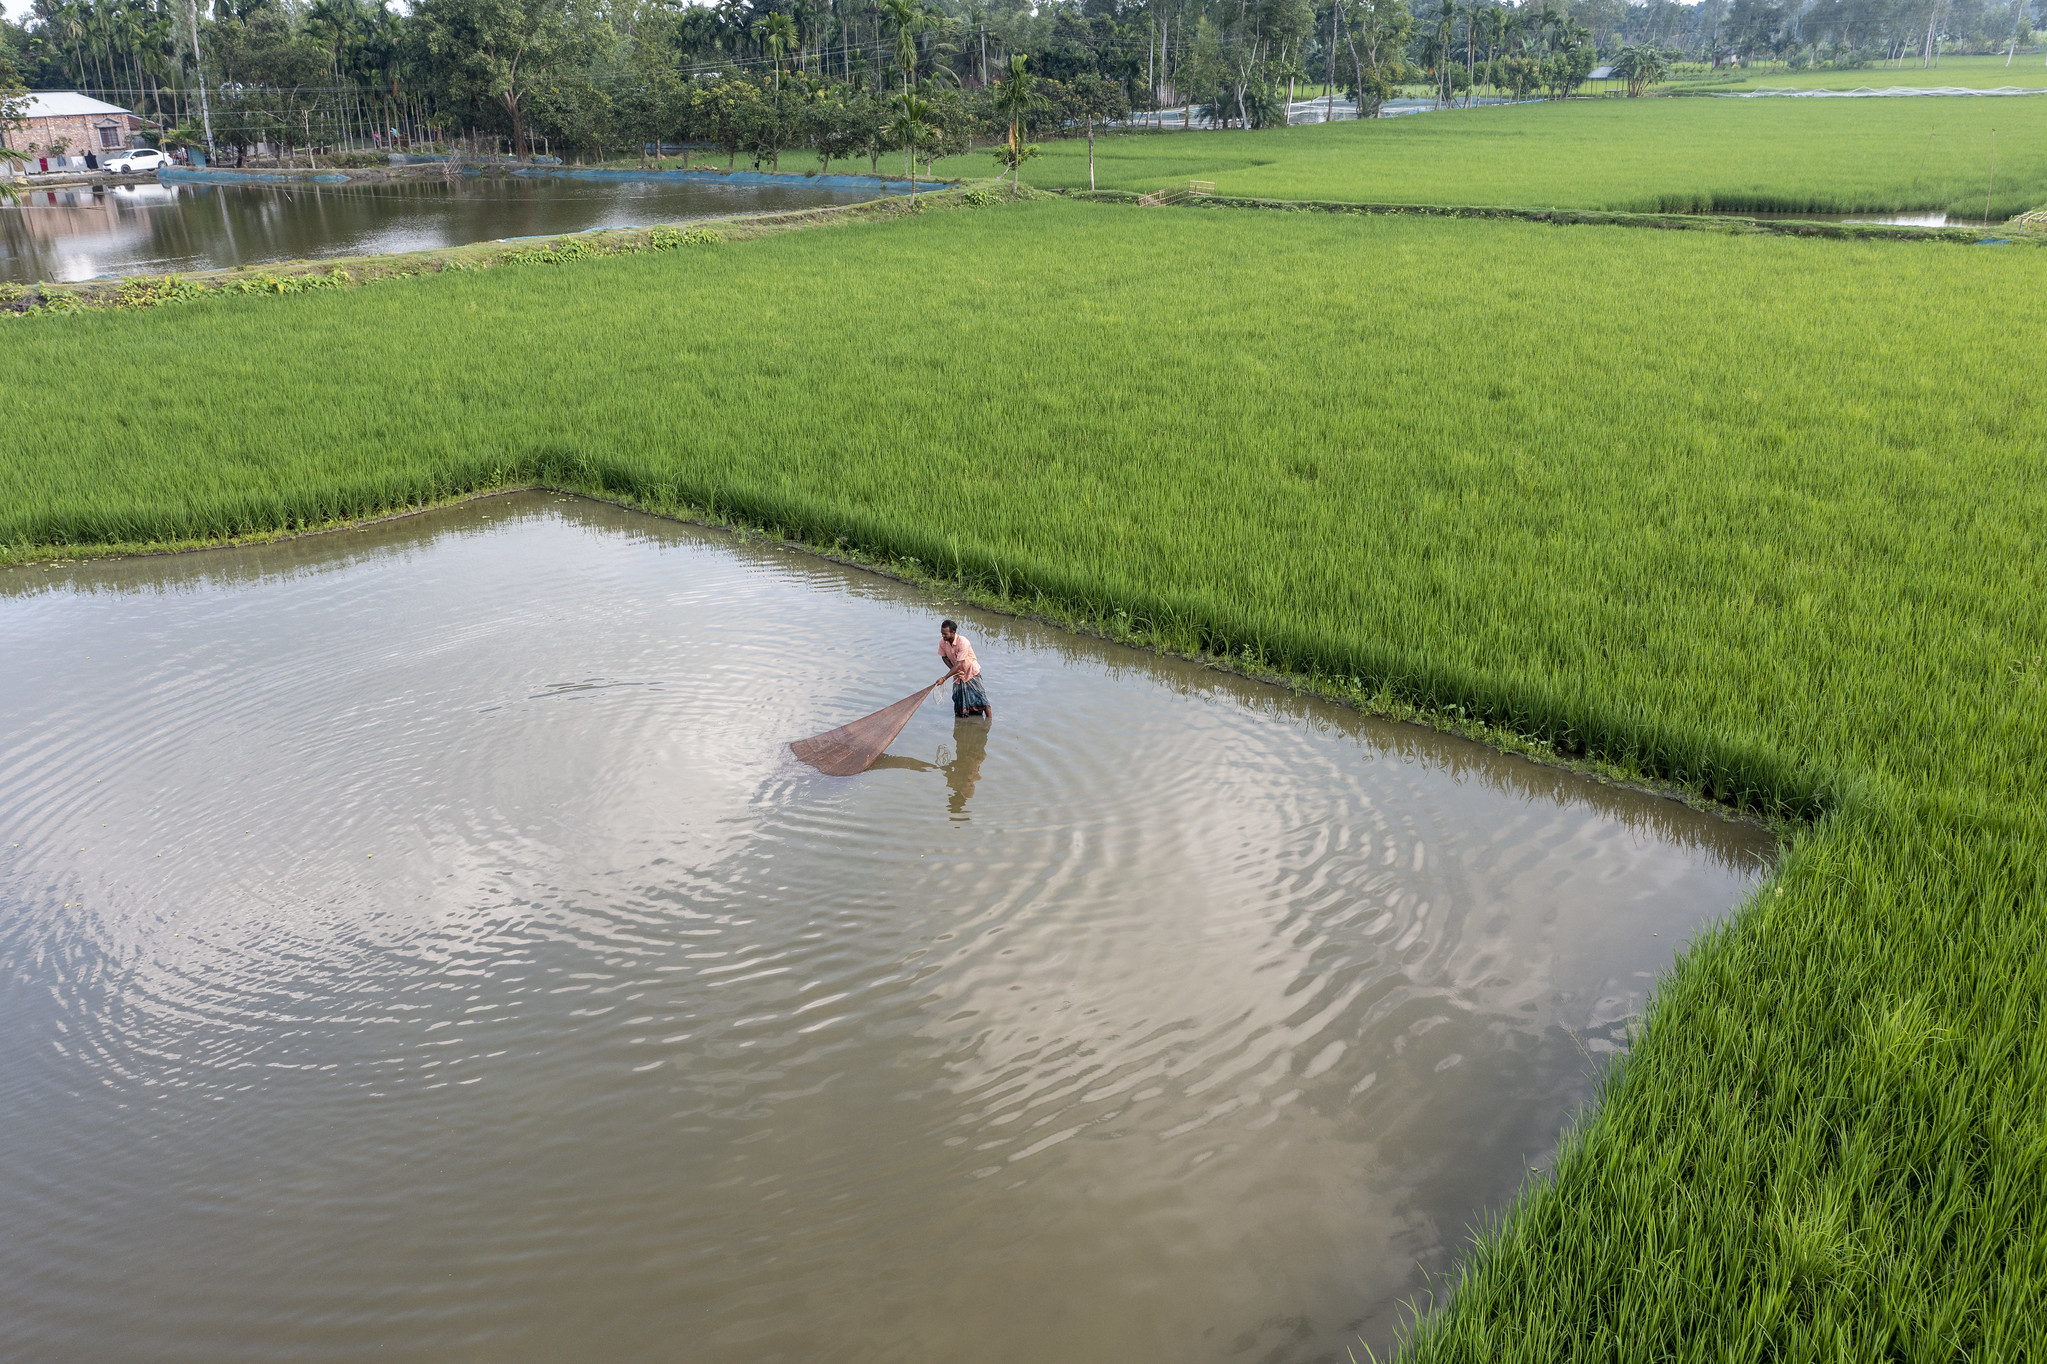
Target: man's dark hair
947 625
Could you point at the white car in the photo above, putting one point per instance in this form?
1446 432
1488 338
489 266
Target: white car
134 161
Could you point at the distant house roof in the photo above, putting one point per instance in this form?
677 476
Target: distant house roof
1601 73
65 104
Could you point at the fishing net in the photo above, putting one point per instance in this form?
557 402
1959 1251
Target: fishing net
852 748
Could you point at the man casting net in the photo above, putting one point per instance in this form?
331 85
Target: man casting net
852 747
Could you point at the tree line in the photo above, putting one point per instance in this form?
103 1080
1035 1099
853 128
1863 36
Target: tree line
852 78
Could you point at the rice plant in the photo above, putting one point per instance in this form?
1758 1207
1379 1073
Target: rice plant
1643 155
1991 72
1760 515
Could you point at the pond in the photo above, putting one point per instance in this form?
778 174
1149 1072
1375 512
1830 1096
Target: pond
417 942
153 228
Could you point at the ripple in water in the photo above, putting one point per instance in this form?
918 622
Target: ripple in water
416 942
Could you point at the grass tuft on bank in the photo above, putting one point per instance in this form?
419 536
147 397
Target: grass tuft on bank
1759 515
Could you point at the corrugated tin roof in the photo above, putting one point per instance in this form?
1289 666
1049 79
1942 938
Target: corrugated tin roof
65 104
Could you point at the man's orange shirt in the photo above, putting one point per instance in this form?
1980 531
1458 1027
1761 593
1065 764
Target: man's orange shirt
959 657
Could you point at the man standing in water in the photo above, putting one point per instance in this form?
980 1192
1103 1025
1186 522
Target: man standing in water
968 696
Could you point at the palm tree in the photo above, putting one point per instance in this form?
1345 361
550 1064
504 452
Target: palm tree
912 123
908 22
1442 45
777 33
331 21
1500 28
1016 99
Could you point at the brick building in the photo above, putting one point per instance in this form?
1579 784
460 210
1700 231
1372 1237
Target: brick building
83 125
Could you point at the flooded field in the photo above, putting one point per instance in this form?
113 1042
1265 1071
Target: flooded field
416 943
151 228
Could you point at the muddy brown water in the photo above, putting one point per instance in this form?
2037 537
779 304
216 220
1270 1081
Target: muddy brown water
416 943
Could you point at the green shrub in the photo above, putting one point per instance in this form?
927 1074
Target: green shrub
147 291
668 238
561 253
337 278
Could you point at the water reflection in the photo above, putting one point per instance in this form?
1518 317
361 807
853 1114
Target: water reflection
417 942
963 765
85 231
960 763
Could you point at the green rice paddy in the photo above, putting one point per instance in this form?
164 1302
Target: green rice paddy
1641 155
1759 515
2026 71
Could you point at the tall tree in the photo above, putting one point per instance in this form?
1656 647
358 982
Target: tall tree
777 35
911 122
496 52
1375 33
1016 99
907 19
13 104
1641 67
1090 100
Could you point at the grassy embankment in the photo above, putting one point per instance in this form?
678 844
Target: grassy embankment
1644 155
1746 513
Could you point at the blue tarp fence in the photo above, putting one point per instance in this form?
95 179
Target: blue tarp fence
179 175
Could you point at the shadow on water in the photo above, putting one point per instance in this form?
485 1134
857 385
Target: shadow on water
419 942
